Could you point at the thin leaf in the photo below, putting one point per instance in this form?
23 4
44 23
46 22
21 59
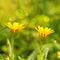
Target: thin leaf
45 53
9 47
33 55
20 58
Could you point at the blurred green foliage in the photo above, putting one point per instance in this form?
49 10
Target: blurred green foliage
32 13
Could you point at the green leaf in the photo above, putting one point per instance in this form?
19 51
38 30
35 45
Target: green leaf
42 54
20 58
33 55
45 53
9 47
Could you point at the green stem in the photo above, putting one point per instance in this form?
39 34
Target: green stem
12 49
40 43
39 56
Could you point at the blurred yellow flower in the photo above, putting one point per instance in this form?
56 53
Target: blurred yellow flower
58 54
44 32
6 58
46 19
15 26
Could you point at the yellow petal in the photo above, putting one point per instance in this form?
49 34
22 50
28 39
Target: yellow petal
58 57
58 53
9 25
15 25
21 26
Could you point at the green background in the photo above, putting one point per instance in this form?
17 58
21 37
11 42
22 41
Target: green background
31 13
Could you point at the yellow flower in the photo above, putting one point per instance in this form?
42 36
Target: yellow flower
15 26
44 32
58 54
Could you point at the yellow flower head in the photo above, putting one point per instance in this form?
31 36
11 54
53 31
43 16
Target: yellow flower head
44 32
58 54
15 26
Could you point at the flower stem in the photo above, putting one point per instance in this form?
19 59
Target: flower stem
12 49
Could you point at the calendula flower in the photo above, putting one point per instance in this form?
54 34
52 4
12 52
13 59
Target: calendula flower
44 32
58 54
15 26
